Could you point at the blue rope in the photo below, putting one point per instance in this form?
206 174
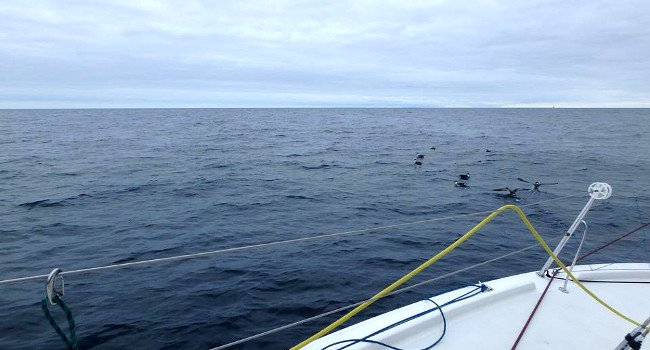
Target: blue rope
469 294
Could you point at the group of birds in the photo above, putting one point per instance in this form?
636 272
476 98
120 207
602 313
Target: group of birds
462 179
512 192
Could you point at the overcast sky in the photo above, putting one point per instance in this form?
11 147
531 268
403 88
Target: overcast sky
76 54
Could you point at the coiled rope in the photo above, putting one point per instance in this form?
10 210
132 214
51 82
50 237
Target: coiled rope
366 339
261 245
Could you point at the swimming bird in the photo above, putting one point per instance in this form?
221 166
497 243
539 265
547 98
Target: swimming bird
536 184
488 150
512 192
418 159
462 179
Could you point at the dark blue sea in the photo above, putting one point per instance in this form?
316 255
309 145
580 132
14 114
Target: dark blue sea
84 188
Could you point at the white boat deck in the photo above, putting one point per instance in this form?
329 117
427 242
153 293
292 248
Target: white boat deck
493 319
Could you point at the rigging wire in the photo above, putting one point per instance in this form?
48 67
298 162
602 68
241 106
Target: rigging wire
261 245
532 313
398 291
405 289
353 232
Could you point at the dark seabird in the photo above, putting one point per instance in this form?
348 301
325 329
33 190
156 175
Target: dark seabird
462 179
512 192
536 184
488 150
433 148
418 159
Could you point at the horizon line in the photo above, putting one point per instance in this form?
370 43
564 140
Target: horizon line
315 107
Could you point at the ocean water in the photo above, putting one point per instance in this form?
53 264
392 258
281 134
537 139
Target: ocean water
84 188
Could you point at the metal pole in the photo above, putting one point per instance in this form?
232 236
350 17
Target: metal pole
575 258
597 190
568 235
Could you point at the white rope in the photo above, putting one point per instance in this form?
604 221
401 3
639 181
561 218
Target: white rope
347 307
260 245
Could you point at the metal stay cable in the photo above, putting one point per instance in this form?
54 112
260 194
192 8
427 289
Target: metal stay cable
260 245
401 290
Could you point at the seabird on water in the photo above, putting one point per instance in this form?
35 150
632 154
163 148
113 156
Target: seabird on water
536 184
418 159
462 178
512 192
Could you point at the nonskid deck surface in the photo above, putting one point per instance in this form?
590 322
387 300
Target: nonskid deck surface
493 319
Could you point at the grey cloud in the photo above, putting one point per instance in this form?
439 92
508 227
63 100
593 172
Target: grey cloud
286 53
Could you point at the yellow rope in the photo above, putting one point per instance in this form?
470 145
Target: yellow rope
446 251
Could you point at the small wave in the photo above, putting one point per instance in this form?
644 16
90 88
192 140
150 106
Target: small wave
402 241
135 188
44 203
110 332
387 261
322 166
241 206
384 162
298 197
229 272
215 166
137 256
365 209
280 282
184 192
